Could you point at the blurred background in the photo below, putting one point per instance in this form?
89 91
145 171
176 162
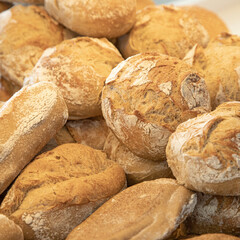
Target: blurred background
228 10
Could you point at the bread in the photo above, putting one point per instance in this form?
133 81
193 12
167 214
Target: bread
4 6
220 64
9 230
1 103
25 32
137 169
61 188
147 96
79 68
144 3
7 89
148 210
105 18
203 153
26 1
215 214
216 236
27 122
166 29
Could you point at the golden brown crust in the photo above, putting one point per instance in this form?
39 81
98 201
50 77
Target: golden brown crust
144 3
216 236
63 136
105 18
79 68
4 6
59 189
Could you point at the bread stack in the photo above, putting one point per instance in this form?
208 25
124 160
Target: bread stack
91 142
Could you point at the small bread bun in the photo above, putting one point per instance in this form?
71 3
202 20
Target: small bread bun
144 3
203 153
25 32
28 120
214 214
105 18
165 29
215 236
26 1
148 210
61 188
145 98
9 230
4 6
79 67
137 169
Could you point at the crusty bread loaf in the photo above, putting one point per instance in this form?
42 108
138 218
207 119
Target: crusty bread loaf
137 169
105 18
9 230
166 29
216 236
61 188
28 120
145 98
148 210
144 3
203 153
25 32
215 214
26 1
4 6
79 68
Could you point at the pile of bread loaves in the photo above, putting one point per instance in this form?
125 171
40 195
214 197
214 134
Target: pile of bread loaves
119 119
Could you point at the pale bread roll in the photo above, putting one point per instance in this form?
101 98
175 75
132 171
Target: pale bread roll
26 1
9 230
4 6
61 188
25 32
137 169
105 18
79 67
144 3
215 236
166 29
28 120
204 152
145 98
150 210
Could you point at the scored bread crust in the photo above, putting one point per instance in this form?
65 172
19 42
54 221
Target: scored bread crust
27 122
145 98
61 188
79 68
203 153
105 18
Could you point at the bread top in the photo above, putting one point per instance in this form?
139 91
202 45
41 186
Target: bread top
105 18
25 32
175 36
214 236
148 210
203 152
79 68
4 6
144 3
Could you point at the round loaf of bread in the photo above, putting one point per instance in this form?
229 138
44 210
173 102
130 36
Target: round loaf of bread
144 3
9 230
26 1
204 153
145 98
166 29
4 6
25 32
60 189
215 236
137 169
79 67
148 210
215 214
105 18
28 120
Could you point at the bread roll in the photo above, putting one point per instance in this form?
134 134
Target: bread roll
215 214
216 236
9 230
4 6
166 29
147 96
79 68
25 32
203 153
26 1
144 3
27 122
137 169
149 210
105 18
61 188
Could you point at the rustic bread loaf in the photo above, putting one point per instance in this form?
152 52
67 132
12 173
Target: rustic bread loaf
148 210
79 68
28 120
105 18
203 153
25 32
61 188
166 29
214 236
137 169
145 98
144 3
4 6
